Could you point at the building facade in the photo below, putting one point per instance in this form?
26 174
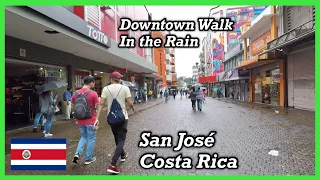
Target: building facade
67 43
267 69
297 42
164 58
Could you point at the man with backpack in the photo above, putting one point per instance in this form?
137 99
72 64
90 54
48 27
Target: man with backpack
83 105
116 96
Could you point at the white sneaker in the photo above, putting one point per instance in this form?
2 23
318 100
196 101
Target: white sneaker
44 132
48 135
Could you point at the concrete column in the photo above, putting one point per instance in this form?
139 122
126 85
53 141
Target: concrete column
282 83
245 53
252 83
274 29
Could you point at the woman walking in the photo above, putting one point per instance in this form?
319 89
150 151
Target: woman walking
47 109
199 99
193 96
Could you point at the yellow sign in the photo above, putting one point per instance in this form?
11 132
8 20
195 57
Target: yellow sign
260 44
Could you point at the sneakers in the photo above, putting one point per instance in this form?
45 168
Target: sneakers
123 157
48 135
76 158
87 162
113 169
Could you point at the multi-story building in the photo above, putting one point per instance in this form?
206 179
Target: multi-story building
267 69
217 43
296 41
195 74
68 43
164 58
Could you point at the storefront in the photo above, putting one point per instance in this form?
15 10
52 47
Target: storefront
267 84
237 83
21 78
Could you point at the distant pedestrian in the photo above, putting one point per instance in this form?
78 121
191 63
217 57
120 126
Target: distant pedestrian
67 103
84 103
161 92
166 95
174 93
117 96
199 99
144 95
193 96
204 95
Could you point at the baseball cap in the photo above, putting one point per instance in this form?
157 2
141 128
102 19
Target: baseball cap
116 76
88 80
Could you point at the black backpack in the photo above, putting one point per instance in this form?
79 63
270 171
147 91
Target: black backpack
82 110
115 117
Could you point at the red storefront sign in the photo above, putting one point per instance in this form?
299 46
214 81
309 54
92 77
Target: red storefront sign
138 75
207 79
79 76
119 70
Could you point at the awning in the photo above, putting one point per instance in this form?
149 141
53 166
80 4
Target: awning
154 75
207 79
254 62
263 24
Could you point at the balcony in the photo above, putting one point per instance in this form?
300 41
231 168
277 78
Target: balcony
174 78
168 57
172 53
236 49
169 77
302 31
168 67
173 62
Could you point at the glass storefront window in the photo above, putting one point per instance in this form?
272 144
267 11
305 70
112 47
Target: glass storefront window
267 85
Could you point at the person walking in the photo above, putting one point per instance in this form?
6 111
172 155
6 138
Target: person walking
203 95
193 96
116 95
47 102
84 103
67 103
199 99
174 93
161 92
36 108
166 95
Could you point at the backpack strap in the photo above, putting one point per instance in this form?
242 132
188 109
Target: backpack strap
117 94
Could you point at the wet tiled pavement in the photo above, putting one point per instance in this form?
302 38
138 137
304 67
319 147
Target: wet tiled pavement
245 131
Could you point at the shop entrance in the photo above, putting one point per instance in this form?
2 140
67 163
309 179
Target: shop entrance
267 87
21 77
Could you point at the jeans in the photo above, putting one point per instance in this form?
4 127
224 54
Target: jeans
193 104
66 109
166 99
38 119
120 134
88 133
199 102
47 125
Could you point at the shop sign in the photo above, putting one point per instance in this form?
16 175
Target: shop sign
23 52
243 72
276 75
53 73
97 35
79 76
260 44
230 73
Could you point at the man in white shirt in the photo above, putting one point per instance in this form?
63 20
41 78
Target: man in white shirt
123 95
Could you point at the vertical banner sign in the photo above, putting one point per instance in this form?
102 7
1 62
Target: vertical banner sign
79 76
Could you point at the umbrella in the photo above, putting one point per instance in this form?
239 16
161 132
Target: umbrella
134 89
51 86
215 89
127 83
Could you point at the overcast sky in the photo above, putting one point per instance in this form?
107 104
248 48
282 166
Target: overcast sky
185 58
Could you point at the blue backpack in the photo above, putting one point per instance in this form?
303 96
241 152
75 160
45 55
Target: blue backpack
115 116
